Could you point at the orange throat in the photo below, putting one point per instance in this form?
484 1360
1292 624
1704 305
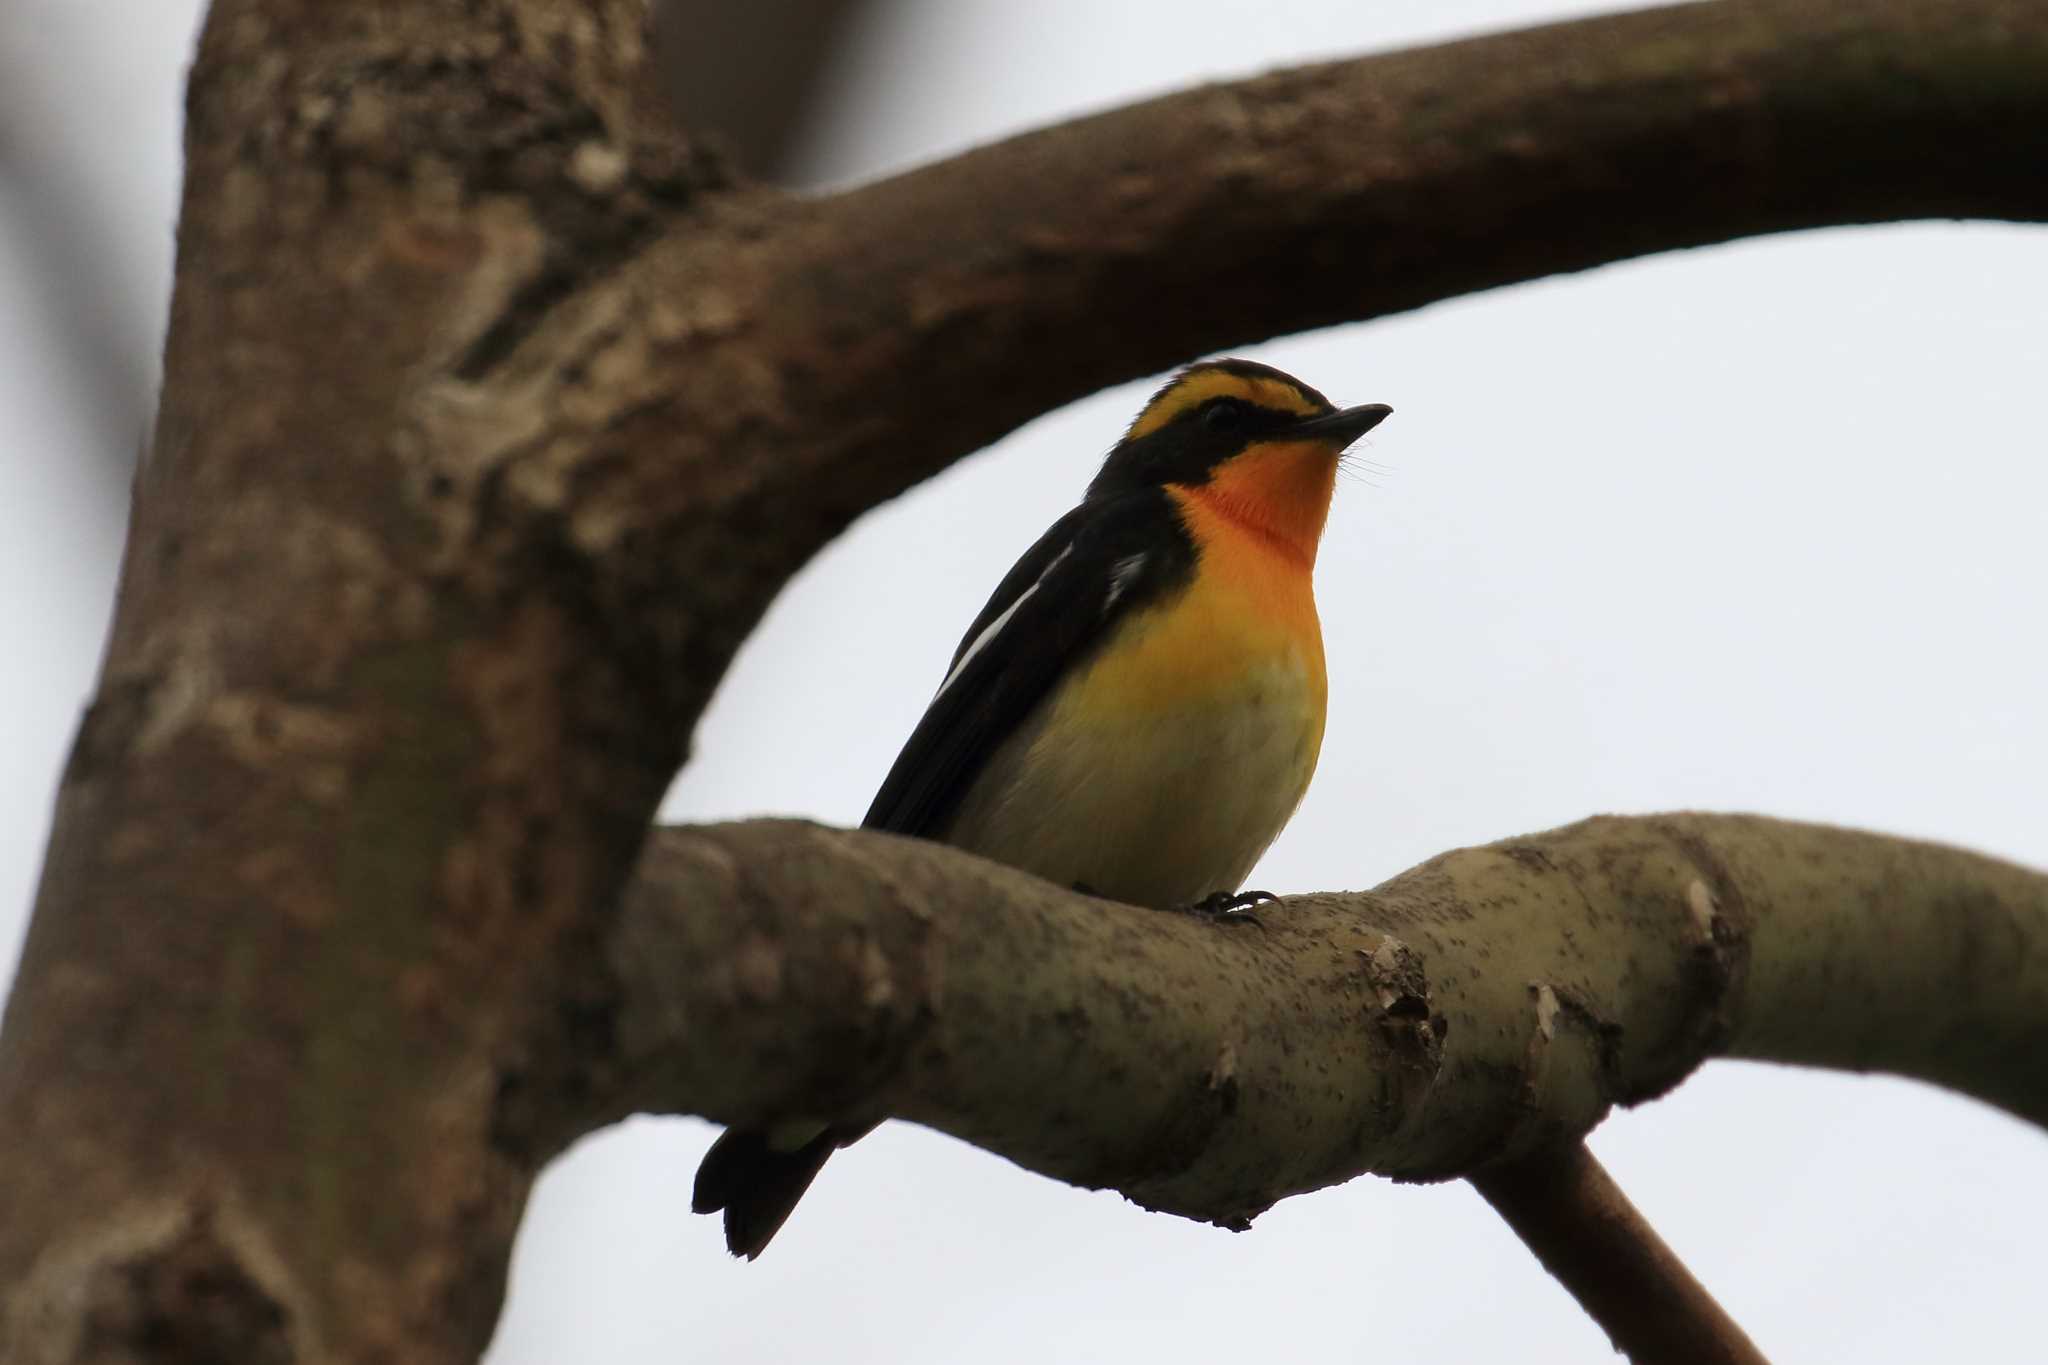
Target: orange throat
1278 493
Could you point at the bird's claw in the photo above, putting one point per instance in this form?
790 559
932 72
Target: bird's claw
1230 908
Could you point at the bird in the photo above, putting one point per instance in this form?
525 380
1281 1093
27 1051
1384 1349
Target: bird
1137 711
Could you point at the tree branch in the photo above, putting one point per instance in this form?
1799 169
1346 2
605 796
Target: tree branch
777 368
1488 1004
1569 1211
1350 190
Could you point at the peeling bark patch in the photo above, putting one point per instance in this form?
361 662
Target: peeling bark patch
1408 1024
1716 930
1401 988
1732 913
188 1301
1605 1034
1536 1056
1570 1070
1704 912
1546 1018
1223 1078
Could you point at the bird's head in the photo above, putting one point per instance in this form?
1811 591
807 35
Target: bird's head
1244 441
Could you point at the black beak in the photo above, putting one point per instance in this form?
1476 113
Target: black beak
1340 429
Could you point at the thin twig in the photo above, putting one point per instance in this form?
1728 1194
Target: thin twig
1568 1210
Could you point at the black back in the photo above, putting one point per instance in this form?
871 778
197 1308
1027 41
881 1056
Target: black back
1098 563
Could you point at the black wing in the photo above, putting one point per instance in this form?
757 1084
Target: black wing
1095 564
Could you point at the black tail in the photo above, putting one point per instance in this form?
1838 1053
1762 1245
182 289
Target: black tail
756 1185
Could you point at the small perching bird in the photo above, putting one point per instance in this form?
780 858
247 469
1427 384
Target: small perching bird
1138 709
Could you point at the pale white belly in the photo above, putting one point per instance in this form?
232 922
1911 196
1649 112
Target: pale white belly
1154 806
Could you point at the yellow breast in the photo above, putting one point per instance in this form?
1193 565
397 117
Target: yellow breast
1162 771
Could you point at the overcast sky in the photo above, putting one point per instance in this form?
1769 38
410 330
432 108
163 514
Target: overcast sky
1760 527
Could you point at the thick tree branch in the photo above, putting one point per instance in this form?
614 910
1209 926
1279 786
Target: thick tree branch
1489 1003
771 370
1115 246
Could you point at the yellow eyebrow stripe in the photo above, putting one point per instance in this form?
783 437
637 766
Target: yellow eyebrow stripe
1195 389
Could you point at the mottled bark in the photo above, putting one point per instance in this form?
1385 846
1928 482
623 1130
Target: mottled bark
1490 1003
496 411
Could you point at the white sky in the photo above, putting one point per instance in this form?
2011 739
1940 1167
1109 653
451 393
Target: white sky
1760 527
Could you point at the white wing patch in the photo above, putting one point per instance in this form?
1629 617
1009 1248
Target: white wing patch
1121 575
995 627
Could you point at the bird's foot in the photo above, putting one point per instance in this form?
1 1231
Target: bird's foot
1228 908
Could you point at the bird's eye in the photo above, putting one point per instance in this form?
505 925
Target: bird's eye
1225 416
